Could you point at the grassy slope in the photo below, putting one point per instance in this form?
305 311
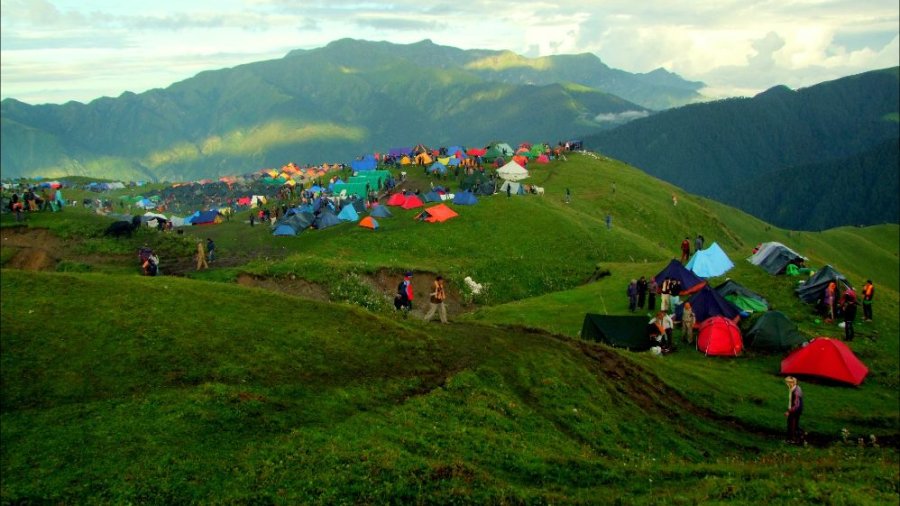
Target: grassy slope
205 417
338 405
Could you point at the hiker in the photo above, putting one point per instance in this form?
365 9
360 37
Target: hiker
795 409
868 293
201 256
685 250
665 292
404 296
568 196
210 249
642 292
828 300
608 222
687 324
848 309
698 243
652 289
632 293
437 300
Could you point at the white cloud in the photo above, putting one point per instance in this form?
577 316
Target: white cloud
736 47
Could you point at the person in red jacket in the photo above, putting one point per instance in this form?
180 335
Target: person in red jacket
685 250
404 297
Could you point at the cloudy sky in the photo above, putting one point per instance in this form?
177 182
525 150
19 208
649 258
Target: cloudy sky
59 50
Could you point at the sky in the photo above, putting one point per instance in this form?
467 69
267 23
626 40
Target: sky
53 51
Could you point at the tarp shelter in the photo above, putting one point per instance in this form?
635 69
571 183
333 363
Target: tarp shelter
439 213
368 222
512 171
628 332
397 199
412 202
720 336
514 188
207 218
465 199
710 262
348 213
826 358
814 288
773 331
326 219
368 162
774 257
381 212
708 303
742 297
690 283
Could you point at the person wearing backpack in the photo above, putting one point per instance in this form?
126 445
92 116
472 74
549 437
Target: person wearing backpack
404 296
438 295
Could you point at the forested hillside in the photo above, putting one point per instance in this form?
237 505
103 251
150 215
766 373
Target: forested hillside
716 149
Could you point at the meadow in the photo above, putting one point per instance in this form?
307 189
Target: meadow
192 387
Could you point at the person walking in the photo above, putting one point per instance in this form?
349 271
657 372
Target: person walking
795 409
404 296
608 222
568 196
848 310
201 256
687 324
210 249
438 295
868 294
685 250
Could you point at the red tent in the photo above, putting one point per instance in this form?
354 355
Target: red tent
397 199
827 358
477 151
542 159
411 202
720 336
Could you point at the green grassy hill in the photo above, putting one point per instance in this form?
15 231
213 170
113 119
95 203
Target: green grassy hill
118 388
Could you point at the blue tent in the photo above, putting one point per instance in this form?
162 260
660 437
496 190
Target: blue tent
367 163
326 219
205 218
707 302
438 167
348 213
284 229
381 212
432 196
690 283
190 219
316 188
465 199
454 162
710 262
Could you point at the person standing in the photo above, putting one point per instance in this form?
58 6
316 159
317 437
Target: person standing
652 289
404 296
608 222
568 196
687 324
828 300
795 409
642 292
210 249
632 293
848 309
201 256
698 243
438 295
665 294
868 295
685 250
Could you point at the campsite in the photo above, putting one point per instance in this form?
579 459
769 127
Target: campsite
282 374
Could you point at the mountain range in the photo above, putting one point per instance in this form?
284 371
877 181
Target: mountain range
329 104
807 159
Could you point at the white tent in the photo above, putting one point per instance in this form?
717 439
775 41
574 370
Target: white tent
512 171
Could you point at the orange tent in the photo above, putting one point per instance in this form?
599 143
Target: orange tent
368 222
439 213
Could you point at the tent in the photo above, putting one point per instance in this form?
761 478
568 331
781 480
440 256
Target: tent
465 199
381 212
348 213
497 150
814 288
412 202
366 163
514 188
710 262
438 168
512 171
432 196
542 159
397 199
707 303
742 297
628 332
326 219
690 283
720 337
774 257
473 181
368 222
826 358
773 331
439 213
207 218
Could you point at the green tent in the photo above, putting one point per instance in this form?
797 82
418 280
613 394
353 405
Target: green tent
773 331
742 297
499 149
620 331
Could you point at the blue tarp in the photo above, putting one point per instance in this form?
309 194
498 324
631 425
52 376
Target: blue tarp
710 262
367 163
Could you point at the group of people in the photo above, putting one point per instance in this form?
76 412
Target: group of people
846 306
403 299
660 328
